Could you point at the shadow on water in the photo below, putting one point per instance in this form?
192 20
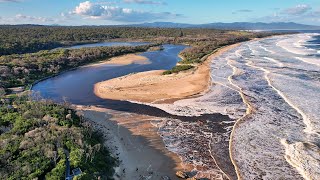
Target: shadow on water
126 106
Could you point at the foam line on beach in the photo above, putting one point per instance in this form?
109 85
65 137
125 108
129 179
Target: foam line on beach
296 152
248 112
306 120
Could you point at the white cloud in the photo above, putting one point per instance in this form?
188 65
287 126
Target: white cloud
114 13
242 11
10 1
297 10
89 9
25 18
144 2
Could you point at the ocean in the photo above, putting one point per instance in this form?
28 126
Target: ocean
270 88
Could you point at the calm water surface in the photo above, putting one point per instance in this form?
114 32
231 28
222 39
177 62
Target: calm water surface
77 85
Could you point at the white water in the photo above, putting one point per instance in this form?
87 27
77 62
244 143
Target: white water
273 86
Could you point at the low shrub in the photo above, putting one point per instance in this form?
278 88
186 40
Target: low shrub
178 68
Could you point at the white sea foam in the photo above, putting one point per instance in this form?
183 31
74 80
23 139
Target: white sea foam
266 49
192 141
294 44
286 103
276 94
310 60
280 64
222 97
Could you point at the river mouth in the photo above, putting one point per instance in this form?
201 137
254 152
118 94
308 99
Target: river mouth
270 86
76 87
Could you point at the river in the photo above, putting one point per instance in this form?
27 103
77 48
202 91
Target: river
76 86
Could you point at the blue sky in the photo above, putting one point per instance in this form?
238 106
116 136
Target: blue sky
105 12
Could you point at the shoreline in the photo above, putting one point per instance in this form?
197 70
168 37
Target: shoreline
134 141
207 62
153 87
205 71
117 60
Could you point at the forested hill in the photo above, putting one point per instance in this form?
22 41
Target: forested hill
18 39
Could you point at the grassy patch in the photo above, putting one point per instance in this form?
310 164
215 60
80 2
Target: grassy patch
177 69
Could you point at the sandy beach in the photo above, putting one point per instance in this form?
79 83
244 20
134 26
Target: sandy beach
135 142
153 87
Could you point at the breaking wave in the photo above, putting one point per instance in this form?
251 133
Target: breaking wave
271 89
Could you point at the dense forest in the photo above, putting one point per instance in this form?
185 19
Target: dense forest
21 39
37 136
30 38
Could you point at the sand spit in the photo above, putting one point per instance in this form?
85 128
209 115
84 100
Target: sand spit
153 87
125 60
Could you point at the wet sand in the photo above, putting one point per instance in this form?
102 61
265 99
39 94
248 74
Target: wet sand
134 140
153 87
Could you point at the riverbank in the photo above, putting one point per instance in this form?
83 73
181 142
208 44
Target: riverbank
135 142
154 87
117 60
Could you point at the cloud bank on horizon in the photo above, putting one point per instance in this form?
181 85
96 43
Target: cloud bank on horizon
97 12
301 13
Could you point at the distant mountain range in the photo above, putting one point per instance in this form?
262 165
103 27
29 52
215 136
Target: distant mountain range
235 25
